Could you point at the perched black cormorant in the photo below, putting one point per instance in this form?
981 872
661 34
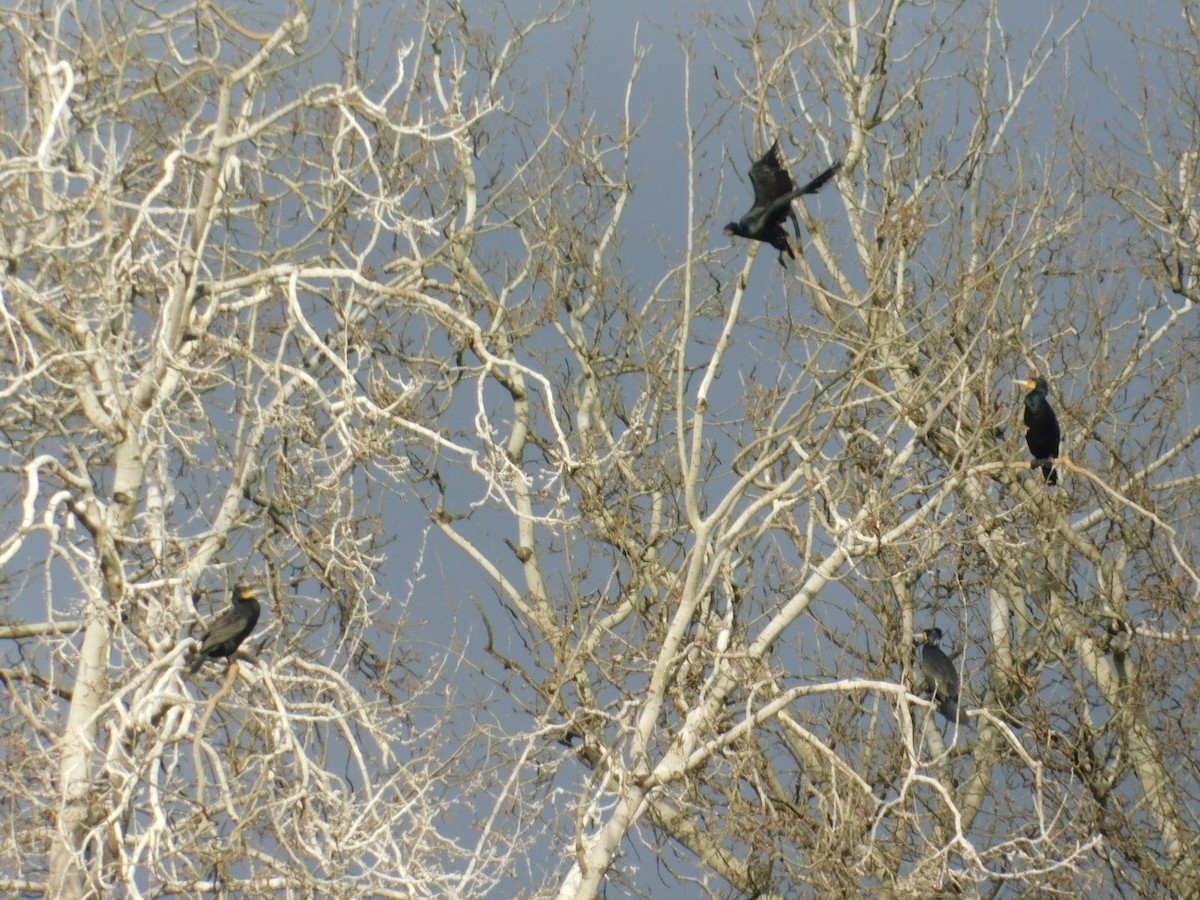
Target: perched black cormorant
230 628
774 192
1042 434
939 672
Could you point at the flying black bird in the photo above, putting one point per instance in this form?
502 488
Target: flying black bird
939 671
774 192
230 628
1042 434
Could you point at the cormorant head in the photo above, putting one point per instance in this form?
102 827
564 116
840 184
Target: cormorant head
1038 385
929 635
243 593
733 229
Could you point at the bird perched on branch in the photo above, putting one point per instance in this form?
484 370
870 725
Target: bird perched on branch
939 672
774 192
1042 433
230 628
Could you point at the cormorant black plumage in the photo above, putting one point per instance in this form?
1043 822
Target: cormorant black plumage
774 192
939 672
230 628
1042 433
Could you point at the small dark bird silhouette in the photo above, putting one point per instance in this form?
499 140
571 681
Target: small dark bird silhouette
1042 433
230 628
774 192
939 671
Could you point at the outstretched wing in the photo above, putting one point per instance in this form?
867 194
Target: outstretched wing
770 180
782 204
819 182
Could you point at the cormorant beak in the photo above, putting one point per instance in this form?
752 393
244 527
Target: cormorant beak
1028 383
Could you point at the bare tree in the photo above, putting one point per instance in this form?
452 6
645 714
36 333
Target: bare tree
193 396
296 300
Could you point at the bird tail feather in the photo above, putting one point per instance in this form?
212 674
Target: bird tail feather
949 708
819 182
